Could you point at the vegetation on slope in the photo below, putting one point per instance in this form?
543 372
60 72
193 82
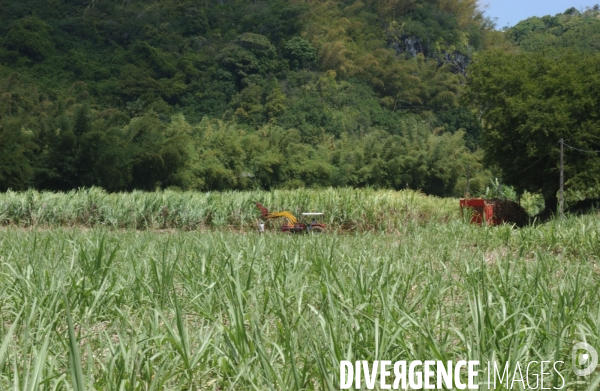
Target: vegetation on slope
238 94
529 101
305 94
570 31
544 89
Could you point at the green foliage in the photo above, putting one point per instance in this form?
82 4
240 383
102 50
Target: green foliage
163 65
570 30
496 189
249 55
528 102
303 94
15 153
355 209
82 120
30 37
181 53
119 309
460 118
277 19
533 203
300 53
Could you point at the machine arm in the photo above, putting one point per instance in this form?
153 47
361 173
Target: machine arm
273 215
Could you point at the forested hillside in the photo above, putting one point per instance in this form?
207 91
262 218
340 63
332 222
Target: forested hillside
570 31
542 87
237 94
244 94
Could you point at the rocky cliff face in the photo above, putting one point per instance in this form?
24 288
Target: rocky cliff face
412 46
459 60
409 45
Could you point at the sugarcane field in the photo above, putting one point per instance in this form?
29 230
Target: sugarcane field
179 291
299 195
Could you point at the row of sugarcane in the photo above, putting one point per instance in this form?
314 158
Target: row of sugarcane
345 208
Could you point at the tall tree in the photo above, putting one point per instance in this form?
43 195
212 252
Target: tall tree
15 150
528 102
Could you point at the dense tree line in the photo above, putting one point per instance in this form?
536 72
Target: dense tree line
240 94
237 94
571 30
545 89
73 146
199 56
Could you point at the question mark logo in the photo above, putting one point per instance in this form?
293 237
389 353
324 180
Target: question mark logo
589 358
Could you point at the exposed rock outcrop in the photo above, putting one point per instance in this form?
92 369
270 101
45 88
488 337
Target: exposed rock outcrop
412 46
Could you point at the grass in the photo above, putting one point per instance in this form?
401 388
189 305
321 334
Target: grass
345 209
101 309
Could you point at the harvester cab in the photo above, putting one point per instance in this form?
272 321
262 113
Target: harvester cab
314 225
292 225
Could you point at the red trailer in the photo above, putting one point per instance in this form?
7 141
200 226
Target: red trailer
481 211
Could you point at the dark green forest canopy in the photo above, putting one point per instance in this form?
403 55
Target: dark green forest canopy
571 30
238 94
529 98
543 89
274 93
